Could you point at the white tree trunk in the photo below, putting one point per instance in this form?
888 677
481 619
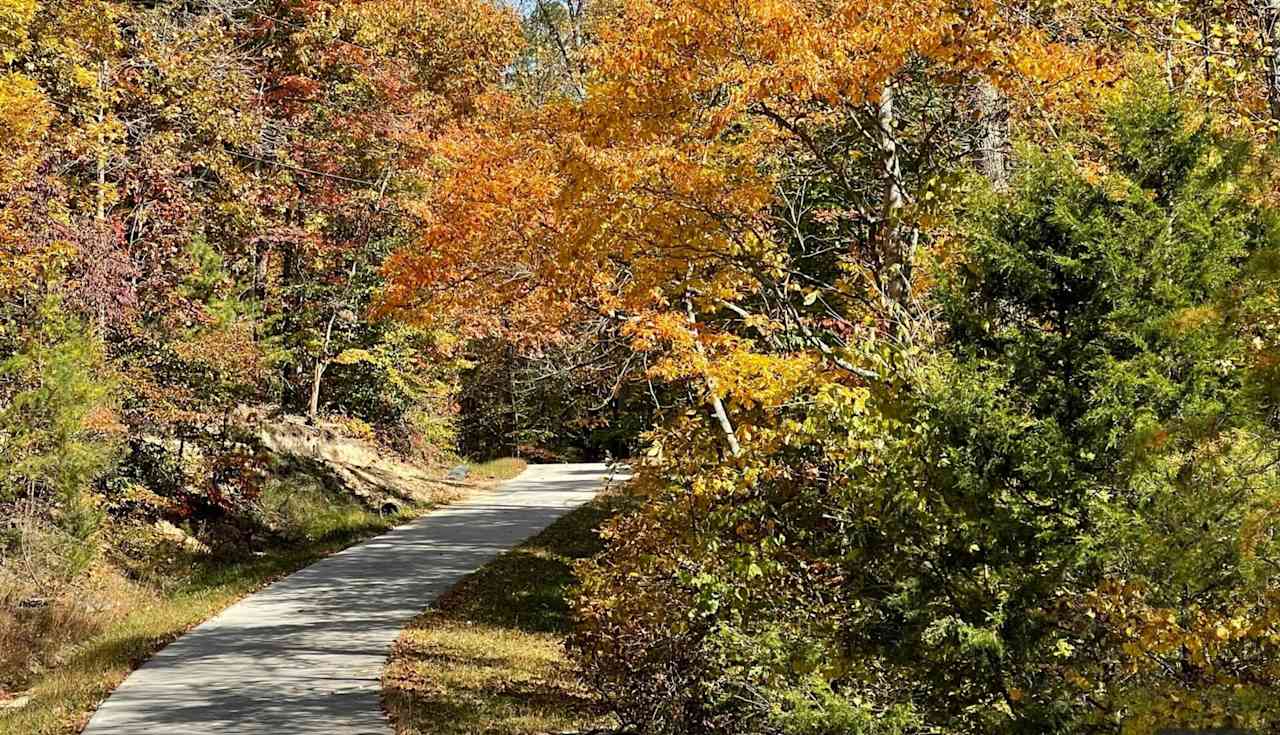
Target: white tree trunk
322 362
313 408
993 134
713 397
895 256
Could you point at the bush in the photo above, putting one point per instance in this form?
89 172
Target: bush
1059 518
181 481
400 384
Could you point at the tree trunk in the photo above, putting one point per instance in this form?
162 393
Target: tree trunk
993 134
713 396
101 213
722 416
291 308
322 363
261 271
313 407
515 399
894 255
1271 32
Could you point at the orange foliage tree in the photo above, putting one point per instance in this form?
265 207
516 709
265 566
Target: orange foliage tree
733 177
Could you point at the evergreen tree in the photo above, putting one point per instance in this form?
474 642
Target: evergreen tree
1096 462
55 391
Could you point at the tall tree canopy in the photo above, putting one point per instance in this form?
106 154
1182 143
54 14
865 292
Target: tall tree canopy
917 425
949 328
206 192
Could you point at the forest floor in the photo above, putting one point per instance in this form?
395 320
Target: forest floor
488 656
60 655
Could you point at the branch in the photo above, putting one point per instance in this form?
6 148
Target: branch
717 406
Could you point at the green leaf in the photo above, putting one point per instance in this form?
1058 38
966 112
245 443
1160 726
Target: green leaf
353 356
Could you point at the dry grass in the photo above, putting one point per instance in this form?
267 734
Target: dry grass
371 471
66 656
488 657
80 675
40 625
43 591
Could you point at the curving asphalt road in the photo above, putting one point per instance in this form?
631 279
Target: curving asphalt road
305 655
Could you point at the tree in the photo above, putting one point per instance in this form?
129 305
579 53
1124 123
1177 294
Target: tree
1052 523
720 169
210 188
56 426
1092 326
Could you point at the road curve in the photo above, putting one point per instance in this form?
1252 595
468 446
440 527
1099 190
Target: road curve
305 655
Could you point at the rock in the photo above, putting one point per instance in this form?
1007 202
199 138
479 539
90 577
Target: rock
180 537
458 473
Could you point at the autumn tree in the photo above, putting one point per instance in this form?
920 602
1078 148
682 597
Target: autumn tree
1057 522
771 202
209 189
350 92
773 183
56 428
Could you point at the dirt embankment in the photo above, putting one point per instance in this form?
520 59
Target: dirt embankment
378 477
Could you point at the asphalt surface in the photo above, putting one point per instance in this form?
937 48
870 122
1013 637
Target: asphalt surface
305 655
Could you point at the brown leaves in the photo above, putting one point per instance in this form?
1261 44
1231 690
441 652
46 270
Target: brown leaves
102 275
293 88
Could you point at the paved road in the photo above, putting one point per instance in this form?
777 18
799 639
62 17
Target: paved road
305 655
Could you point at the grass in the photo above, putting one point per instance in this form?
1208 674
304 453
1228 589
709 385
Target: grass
498 469
487 657
307 510
184 590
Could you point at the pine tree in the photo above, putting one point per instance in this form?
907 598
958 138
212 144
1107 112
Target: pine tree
49 447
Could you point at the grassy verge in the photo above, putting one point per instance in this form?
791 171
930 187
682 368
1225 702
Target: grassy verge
155 600
487 658
497 469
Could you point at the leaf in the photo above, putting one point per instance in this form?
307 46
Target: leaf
353 356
